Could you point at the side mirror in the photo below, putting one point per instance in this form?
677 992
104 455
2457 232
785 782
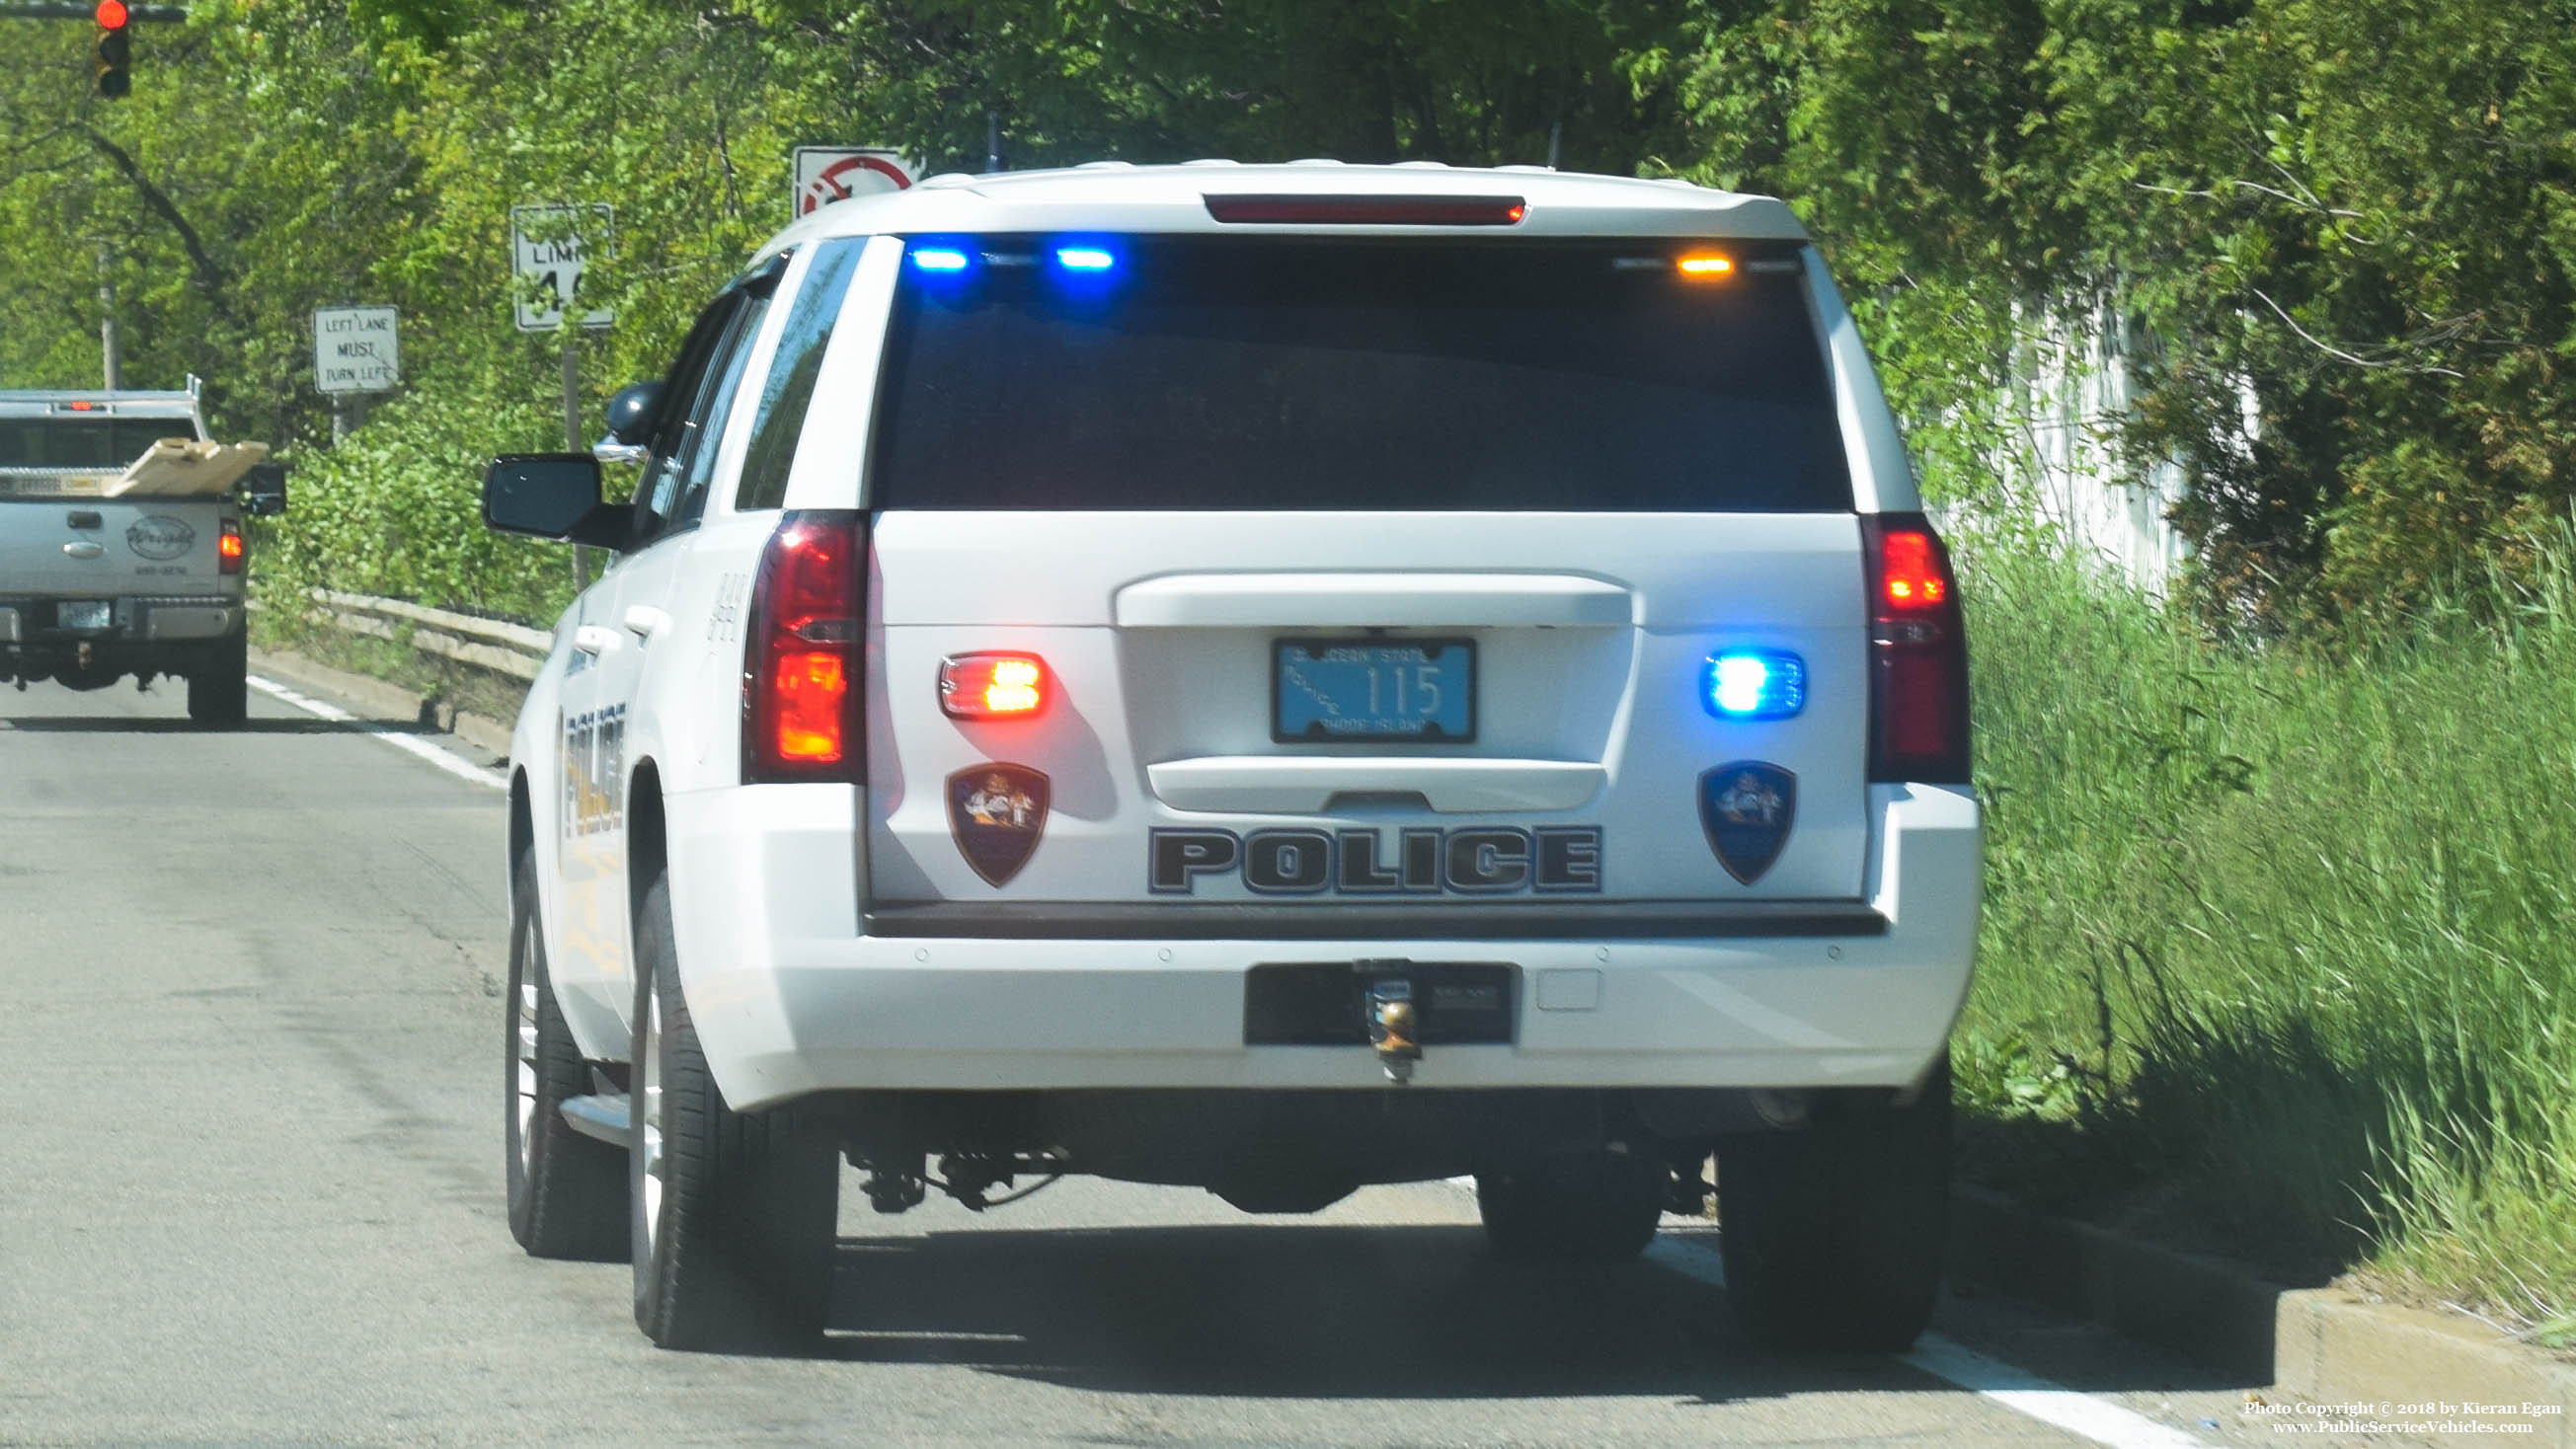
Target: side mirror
263 490
551 495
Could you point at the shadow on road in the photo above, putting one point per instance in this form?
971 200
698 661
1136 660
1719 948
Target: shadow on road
1289 1311
124 725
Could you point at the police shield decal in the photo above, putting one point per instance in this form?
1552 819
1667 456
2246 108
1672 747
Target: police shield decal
1747 809
996 813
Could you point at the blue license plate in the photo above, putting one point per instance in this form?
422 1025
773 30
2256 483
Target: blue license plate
1416 691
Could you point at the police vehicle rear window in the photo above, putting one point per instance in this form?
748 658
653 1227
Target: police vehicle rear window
1230 373
78 442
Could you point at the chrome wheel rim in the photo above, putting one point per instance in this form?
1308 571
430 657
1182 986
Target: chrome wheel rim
648 1117
524 1033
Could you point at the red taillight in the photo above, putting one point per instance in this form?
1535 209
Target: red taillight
1369 210
1913 572
228 548
992 686
1918 683
800 686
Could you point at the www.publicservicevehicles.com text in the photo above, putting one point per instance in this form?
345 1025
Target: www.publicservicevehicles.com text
2386 1416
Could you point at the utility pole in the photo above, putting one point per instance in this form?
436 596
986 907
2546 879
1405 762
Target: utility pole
107 318
572 428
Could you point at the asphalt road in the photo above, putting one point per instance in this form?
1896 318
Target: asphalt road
250 1192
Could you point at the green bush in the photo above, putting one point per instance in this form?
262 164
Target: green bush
395 511
2274 954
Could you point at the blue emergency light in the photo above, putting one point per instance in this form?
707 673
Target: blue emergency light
1753 684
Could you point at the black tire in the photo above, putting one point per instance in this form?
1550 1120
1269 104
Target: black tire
1833 1235
219 685
567 1191
1594 1207
737 1253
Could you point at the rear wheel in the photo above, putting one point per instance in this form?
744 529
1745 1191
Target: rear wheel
1832 1235
219 684
733 1212
1591 1207
567 1191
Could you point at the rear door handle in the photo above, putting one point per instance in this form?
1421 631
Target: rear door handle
83 548
644 621
594 639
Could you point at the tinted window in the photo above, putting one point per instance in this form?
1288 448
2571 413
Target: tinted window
686 388
707 432
76 442
790 387
1256 374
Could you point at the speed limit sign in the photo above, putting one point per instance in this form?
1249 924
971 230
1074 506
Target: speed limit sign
825 174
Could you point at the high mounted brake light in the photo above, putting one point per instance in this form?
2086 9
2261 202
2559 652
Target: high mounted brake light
1918 645
1369 210
801 656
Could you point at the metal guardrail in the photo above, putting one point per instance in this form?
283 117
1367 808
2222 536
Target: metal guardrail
514 650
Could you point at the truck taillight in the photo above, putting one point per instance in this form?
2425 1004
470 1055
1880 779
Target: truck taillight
1918 646
802 655
228 548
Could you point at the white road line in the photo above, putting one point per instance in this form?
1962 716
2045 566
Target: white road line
403 742
2099 1420
2023 1392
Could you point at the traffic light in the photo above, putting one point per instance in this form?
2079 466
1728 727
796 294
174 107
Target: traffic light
115 49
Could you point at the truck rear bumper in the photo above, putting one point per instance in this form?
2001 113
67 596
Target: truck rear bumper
132 621
789 999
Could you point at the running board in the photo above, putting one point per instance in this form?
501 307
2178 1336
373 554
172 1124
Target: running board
602 1116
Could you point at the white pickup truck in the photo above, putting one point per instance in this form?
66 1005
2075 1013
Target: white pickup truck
96 588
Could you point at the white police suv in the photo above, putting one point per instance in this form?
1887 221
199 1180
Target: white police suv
1268 678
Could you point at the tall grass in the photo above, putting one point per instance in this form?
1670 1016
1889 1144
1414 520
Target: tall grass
2279 954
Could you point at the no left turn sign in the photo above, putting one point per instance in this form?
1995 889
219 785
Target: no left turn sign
825 174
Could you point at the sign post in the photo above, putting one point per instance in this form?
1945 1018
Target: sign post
825 174
550 247
355 350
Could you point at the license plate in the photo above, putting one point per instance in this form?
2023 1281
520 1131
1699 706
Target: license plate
1326 1003
1418 691
90 614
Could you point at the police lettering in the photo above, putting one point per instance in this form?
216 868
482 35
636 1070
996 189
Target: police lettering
1479 860
1288 862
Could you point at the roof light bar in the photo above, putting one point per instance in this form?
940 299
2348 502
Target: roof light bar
1368 210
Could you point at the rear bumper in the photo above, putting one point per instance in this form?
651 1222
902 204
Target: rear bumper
790 999
132 621
143 635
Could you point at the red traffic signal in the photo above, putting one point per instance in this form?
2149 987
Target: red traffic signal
115 78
